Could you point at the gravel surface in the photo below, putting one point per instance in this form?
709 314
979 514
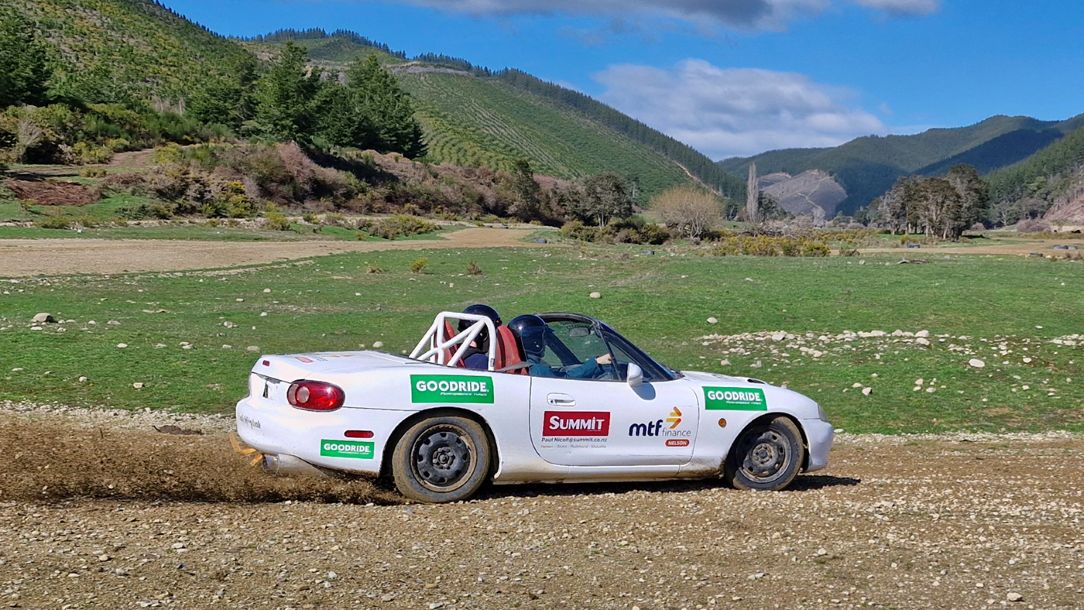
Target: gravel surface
960 521
26 257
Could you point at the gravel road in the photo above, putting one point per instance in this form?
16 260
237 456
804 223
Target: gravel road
26 257
98 510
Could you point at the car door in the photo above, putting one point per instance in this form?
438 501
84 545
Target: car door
605 421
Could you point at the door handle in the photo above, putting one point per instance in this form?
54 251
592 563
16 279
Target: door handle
560 400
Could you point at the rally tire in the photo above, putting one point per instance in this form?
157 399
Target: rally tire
441 459
766 456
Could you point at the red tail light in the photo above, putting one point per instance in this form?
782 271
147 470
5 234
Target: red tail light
315 395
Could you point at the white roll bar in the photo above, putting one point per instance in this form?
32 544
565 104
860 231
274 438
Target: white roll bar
434 344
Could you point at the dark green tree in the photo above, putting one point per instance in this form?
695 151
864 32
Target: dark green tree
284 97
227 100
525 192
24 68
385 109
605 197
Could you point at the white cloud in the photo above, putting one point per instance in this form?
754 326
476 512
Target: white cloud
758 14
736 111
902 7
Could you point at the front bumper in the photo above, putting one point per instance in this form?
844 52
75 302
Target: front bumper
818 434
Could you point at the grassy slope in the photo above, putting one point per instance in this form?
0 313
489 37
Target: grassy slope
139 46
331 303
472 121
475 120
868 166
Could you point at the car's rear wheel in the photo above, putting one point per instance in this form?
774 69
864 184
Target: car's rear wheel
441 459
766 456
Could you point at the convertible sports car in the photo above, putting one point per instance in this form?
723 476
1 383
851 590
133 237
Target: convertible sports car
441 430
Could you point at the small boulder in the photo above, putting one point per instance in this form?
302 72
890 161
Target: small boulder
976 363
713 320
378 344
596 295
138 385
867 391
44 318
1014 597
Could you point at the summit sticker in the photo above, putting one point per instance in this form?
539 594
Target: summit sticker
734 399
451 388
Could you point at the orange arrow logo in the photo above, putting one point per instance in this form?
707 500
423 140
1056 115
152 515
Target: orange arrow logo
675 418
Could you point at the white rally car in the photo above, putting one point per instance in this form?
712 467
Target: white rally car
441 431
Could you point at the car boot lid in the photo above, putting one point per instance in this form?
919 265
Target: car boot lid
321 365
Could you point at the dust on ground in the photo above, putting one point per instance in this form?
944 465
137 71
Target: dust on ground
26 257
956 521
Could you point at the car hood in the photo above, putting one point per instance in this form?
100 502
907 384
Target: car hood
717 377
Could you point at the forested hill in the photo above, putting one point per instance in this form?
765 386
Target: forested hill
867 167
1029 188
474 116
126 50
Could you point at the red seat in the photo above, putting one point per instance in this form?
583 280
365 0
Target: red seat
508 352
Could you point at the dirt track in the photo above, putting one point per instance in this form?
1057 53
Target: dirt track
896 522
24 257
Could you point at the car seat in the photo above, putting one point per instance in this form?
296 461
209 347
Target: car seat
508 354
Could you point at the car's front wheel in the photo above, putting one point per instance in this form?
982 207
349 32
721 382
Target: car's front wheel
441 459
766 456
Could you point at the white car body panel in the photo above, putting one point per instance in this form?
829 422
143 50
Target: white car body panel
603 431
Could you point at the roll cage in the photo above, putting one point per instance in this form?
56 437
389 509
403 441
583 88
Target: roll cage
439 348
441 344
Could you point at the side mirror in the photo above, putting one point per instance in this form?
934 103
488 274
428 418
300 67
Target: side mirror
635 375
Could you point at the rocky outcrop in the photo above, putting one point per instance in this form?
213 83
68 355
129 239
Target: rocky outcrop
810 193
1068 210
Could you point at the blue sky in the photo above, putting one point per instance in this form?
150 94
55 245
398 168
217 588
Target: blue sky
737 77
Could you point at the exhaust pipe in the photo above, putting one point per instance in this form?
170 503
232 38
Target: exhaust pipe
290 465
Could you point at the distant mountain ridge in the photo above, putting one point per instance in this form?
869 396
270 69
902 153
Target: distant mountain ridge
867 167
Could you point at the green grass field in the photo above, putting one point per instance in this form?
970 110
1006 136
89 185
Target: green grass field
1001 310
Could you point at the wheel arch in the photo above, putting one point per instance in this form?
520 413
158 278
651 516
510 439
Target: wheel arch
765 418
403 426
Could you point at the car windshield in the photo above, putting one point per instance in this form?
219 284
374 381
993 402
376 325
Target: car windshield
574 340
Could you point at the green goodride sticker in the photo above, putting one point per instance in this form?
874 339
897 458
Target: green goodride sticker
347 449
734 399
451 388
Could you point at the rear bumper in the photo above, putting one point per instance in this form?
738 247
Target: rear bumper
819 435
318 439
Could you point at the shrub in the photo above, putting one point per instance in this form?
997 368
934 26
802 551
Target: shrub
143 211
398 226
84 153
633 230
690 211
419 264
374 269
276 220
53 222
769 245
232 202
474 269
311 218
575 229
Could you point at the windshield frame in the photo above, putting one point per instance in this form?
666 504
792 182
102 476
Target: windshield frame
652 369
